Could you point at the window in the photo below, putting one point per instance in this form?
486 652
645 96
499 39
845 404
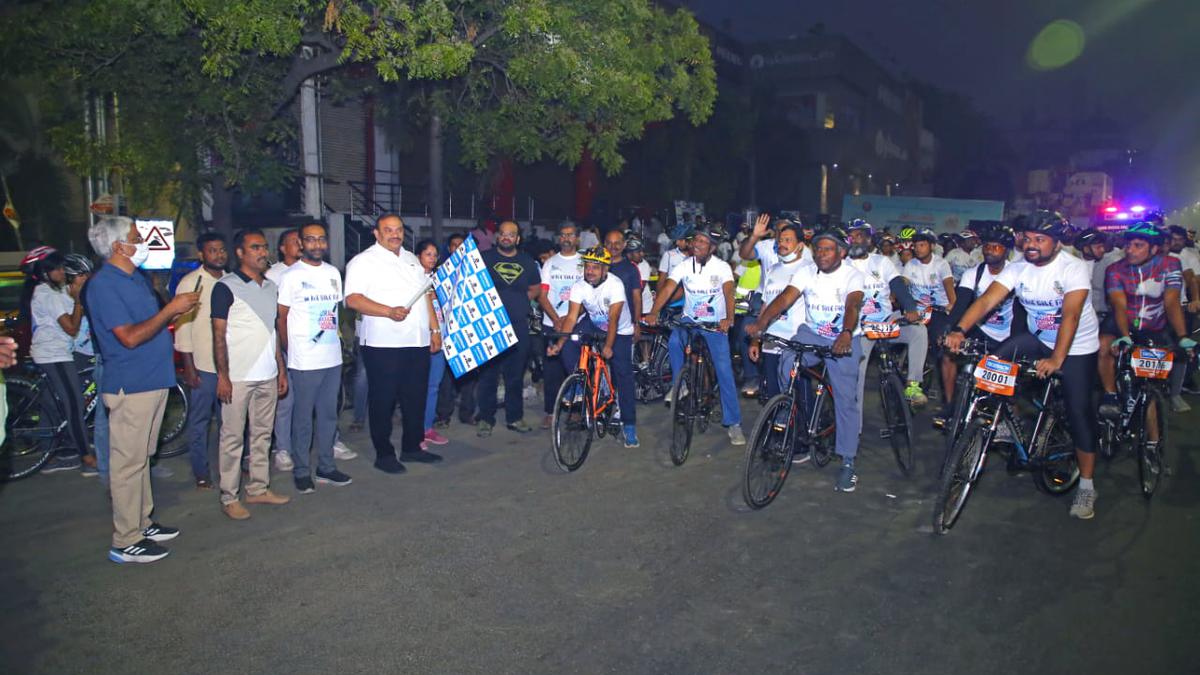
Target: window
830 122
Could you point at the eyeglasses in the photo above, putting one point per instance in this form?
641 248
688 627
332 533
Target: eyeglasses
313 239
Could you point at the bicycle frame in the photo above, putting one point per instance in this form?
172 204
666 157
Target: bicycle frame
595 371
1026 454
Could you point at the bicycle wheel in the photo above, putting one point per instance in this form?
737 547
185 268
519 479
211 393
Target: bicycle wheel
571 428
964 386
707 403
683 416
897 416
654 374
962 470
30 431
174 423
769 452
1057 470
824 434
1151 456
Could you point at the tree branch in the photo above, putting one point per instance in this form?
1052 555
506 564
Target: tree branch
301 69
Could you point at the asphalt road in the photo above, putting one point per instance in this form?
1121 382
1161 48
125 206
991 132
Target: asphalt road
495 562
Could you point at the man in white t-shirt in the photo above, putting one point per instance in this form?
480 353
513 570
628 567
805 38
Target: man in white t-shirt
765 250
707 283
389 288
559 274
966 256
599 305
289 253
1063 330
776 278
932 285
309 294
681 234
831 293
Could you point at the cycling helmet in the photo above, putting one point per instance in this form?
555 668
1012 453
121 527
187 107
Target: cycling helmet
998 235
968 234
634 244
1088 237
860 224
1145 230
923 234
597 254
76 265
907 234
1048 223
835 233
682 231
33 257
715 233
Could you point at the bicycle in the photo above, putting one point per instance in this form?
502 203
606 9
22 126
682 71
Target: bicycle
694 395
897 413
783 425
1049 451
586 404
651 365
1141 372
36 427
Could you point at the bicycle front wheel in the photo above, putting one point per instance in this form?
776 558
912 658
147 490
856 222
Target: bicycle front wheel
571 428
897 416
174 423
961 471
30 431
684 399
1151 455
824 430
1058 471
769 452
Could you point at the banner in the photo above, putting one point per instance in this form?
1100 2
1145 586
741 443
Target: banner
475 326
940 215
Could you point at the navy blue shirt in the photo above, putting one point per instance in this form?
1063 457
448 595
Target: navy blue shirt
114 298
629 275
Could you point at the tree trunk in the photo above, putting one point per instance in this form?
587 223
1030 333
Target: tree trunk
222 208
435 177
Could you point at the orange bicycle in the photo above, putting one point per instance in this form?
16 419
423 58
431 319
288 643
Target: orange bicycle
586 406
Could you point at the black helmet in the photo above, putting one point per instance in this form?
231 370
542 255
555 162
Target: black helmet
837 234
1049 223
1088 237
998 235
76 265
715 233
925 234
634 244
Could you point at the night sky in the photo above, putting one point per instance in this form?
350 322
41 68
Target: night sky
1139 64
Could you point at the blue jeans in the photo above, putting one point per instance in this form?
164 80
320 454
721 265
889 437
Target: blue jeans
842 373
751 377
718 349
437 369
100 434
621 367
202 406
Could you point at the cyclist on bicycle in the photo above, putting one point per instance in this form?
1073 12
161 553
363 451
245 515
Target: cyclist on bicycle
833 296
881 280
1143 291
776 277
600 297
1053 288
932 284
707 283
758 247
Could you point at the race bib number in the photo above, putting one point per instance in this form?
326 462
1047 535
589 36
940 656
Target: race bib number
880 330
996 376
1154 364
926 314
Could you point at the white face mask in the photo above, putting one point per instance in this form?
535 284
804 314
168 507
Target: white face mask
791 257
141 253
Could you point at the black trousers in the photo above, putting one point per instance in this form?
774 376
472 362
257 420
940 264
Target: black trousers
396 374
511 364
554 371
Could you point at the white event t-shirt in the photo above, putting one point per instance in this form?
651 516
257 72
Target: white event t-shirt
877 272
824 296
647 292
998 324
925 281
559 274
50 343
788 322
703 288
312 293
765 253
597 300
1041 291
670 260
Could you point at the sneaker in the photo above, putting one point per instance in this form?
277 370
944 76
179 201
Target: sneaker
340 451
88 471
484 429
62 463
157 471
801 457
847 479
389 464
235 510
420 456
736 437
267 497
334 477
157 532
914 394
204 484
1178 405
432 436
304 485
631 439
283 461
1110 406
1084 506
520 426
145 551
547 421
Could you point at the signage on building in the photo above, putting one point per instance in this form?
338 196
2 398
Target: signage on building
941 215
759 61
887 148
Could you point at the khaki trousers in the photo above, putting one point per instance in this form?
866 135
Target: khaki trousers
133 423
253 402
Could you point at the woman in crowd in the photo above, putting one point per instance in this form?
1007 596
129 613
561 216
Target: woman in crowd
427 253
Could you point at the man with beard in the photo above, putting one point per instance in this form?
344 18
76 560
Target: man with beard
307 323
1063 331
515 276
558 274
250 372
194 342
881 280
775 279
965 255
630 277
399 332
932 285
599 305
833 294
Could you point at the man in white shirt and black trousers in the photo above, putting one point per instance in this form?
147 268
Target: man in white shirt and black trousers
396 340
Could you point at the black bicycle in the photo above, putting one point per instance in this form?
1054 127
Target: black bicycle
651 365
1141 427
897 413
694 399
784 426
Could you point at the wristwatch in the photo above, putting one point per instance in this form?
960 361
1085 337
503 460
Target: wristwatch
957 329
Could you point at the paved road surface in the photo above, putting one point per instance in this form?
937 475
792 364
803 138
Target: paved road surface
494 562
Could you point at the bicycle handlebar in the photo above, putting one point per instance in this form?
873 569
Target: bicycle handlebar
799 347
587 338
